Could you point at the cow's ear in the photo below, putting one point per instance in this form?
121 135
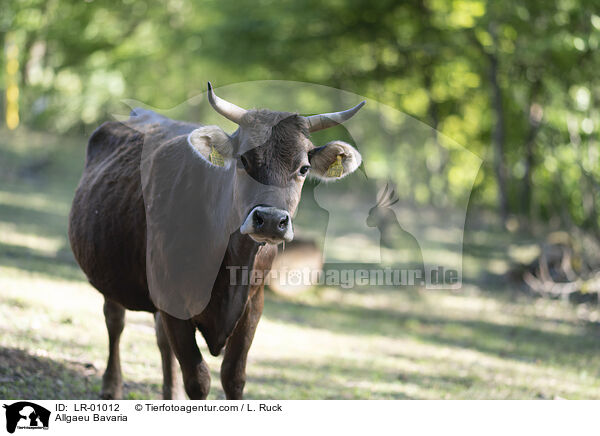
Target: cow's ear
333 160
213 145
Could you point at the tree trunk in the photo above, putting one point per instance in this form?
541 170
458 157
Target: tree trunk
498 131
535 119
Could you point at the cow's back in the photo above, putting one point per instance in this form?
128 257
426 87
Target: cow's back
107 223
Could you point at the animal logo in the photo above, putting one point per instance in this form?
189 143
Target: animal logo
398 247
26 415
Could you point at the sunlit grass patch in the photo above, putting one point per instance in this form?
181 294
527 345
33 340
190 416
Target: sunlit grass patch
325 345
34 201
10 235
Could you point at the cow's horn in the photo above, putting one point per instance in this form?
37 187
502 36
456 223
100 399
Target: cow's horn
228 110
324 121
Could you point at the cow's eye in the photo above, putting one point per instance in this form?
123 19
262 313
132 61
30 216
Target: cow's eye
304 170
244 162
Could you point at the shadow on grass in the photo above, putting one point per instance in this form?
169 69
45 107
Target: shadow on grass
515 342
60 266
32 377
23 376
300 375
43 223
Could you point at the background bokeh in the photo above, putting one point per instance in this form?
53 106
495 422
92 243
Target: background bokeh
513 82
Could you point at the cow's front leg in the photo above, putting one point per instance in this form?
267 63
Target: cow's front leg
182 337
233 368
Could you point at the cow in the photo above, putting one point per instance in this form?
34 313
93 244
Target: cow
108 226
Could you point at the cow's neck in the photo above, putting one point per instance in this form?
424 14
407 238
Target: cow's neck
242 248
229 293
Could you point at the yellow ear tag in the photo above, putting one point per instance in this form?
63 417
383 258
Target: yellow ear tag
336 169
216 158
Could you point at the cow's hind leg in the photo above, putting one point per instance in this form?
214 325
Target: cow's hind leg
112 381
182 337
233 368
172 386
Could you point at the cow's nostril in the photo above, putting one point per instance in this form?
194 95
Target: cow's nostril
283 223
258 220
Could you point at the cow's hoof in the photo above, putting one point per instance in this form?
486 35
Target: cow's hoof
111 393
198 385
176 392
111 389
108 396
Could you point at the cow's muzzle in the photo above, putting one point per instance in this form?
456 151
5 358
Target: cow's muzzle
268 224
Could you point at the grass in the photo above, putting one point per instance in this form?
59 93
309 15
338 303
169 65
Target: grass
485 340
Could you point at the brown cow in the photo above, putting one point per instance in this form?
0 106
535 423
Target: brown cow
108 226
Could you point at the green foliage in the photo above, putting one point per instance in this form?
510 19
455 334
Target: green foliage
438 61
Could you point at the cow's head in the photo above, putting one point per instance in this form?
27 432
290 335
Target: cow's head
274 150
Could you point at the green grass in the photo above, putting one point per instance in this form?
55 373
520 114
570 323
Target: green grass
483 341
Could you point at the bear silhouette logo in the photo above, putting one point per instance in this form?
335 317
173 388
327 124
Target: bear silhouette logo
26 415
